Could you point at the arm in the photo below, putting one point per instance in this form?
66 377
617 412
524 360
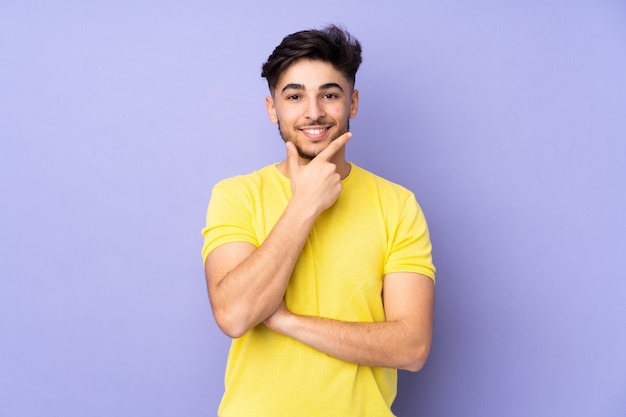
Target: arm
247 284
402 341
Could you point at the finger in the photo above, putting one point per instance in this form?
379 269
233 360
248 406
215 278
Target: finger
293 159
334 146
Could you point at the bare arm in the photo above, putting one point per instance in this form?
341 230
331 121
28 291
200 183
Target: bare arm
247 284
402 341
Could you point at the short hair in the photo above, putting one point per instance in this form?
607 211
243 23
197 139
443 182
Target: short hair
330 44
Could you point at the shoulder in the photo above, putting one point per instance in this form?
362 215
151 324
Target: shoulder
393 200
382 185
250 180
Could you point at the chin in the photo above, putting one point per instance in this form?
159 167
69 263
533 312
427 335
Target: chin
307 153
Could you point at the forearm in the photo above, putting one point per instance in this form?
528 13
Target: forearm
251 290
391 344
246 284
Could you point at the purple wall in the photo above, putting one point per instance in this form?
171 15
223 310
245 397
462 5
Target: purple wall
509 123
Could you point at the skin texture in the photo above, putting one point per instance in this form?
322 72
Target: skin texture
325 101
312 104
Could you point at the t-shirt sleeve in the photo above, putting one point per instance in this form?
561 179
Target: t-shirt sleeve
228 219
410 246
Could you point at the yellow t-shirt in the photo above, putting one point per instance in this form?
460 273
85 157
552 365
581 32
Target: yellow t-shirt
374 228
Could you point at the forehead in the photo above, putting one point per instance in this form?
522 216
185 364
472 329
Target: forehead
311 74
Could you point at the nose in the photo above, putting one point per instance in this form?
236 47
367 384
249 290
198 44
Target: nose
314 110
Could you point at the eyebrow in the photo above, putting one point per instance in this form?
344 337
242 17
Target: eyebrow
294 86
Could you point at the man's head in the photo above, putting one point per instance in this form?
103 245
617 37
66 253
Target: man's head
331 44
311 78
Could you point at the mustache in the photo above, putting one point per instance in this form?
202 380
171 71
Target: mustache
318 122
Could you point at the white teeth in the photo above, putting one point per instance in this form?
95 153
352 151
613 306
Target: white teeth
315 131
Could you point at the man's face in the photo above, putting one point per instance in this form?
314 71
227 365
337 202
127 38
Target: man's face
312 104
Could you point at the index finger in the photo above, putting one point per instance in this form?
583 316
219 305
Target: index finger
334 146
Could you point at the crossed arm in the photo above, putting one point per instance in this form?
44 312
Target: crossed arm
402 341
246 284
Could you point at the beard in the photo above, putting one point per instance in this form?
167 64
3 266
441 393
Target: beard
288 137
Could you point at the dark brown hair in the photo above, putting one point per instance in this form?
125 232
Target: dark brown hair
330 44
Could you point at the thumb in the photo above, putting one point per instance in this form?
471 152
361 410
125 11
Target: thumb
293 159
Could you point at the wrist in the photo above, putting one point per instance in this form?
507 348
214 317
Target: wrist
281 321
289 324
304 212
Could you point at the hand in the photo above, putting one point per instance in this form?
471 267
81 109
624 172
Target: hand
318 184
277 320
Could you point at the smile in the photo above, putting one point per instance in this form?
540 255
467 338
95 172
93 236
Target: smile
315 131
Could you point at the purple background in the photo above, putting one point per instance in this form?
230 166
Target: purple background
507 119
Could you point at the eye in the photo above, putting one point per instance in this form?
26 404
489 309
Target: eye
330 96
293 97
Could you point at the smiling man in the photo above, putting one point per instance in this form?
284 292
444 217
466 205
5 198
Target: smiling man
312 115
319 270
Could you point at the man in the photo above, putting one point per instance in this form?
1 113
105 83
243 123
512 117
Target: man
320 271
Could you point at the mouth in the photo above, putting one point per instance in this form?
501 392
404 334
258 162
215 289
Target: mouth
315 132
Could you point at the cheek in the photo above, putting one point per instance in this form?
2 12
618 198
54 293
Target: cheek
336 111
286 116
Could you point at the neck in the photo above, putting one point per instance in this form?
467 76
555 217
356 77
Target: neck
343 166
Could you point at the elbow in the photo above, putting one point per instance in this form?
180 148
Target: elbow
231 326
229 319
416 357
414 366
233 332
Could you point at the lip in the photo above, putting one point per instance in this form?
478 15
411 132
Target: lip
315 132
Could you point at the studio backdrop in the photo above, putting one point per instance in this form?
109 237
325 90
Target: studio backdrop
506 119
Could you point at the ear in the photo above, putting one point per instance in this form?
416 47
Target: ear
354 104
271 109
